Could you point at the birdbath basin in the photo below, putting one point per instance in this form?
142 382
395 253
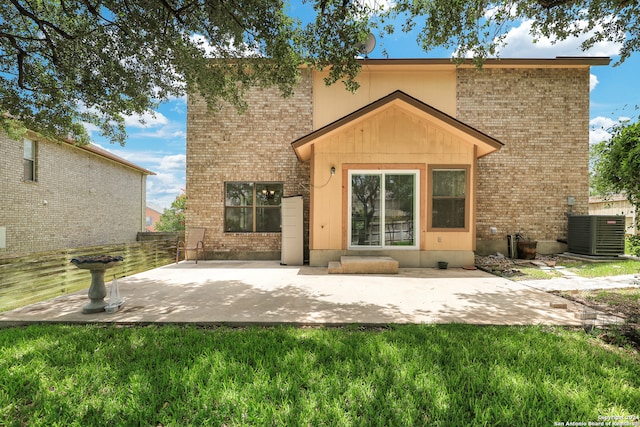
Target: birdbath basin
97 265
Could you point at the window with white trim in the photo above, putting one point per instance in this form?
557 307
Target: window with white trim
252 207
29 160
383 208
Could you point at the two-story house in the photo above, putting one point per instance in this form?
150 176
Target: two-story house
58 195
426 162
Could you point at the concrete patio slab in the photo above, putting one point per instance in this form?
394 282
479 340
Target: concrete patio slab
254 292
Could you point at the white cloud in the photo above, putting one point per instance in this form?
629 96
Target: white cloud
146 120
90 127
165 183
593 82
600 128
159 146
178 161
602 122
598 135
166 132
377 5
224 48
170 178
203 44
491 12
520 43
163 188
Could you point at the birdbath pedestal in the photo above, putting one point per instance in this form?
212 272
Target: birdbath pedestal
97 265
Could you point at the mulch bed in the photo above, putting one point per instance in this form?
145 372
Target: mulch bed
507 267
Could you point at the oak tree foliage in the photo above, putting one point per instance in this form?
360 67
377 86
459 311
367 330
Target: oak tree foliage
615 166
616 162
173 219
478 27
68 63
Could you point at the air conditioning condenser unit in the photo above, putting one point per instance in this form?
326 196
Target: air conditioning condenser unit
596 234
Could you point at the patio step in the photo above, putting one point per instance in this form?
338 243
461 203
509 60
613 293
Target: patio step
364 265
335 267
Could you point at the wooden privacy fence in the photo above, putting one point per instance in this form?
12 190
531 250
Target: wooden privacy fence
30 278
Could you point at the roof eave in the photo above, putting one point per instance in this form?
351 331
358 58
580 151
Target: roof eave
93 149
559 61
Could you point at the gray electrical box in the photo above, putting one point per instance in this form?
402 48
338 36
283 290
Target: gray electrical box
596 234
292 249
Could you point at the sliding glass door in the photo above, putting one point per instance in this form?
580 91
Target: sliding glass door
384 208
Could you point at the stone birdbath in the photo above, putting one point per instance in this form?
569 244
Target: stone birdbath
97 265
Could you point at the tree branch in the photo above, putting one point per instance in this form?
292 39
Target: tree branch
235 18
548 4
93 11
42 23
21 54
172 11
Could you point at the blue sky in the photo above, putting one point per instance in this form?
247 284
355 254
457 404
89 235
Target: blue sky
160 143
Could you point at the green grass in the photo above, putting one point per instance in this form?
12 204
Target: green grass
405 375
581 268
601 269
534 273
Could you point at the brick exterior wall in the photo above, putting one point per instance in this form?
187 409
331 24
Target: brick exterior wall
224 146
542 116
79 199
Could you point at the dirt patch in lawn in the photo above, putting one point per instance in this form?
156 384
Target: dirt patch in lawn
516 268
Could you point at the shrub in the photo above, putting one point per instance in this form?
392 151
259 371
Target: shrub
633 245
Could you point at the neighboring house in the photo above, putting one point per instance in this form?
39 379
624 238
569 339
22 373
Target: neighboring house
58 195
152 217
426 162
615 205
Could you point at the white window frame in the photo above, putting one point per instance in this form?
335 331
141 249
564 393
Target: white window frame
33 159
416 208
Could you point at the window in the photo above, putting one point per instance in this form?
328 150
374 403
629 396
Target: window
29 160
449 198
252 206
383 206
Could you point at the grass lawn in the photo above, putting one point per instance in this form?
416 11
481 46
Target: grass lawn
525 271
601 269
442 375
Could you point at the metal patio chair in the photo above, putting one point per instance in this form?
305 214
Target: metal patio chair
195 242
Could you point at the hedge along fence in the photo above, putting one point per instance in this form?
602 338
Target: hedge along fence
30 278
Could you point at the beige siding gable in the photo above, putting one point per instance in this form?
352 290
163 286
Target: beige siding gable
397 100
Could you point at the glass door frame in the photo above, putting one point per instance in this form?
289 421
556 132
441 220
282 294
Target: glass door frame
382 173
